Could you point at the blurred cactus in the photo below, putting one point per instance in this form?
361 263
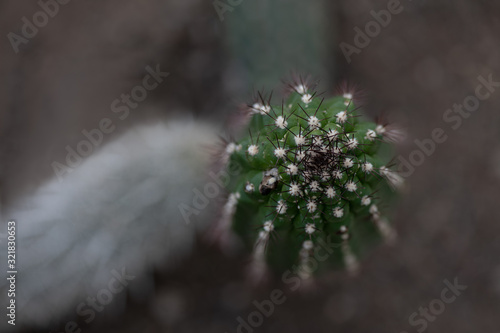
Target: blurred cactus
309 169
267 39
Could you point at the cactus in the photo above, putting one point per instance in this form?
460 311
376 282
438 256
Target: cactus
308 169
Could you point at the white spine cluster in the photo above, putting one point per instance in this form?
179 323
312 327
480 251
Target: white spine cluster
281 207
367 167
344 233
386 230
268 226
395 180
330 192
314 186
260 108
351 186
230 206
380 130
348 163
333 134
337 174
258 265
280 152
281 122
341 117
223 227
352 144
366 200
310 228
348 98
260 243
300 140
350 260
370 135
232 147
313 122
294 190
338 212
311 206
305 271
292 169
300 155
383 225
318 141
253 150
374 211
249 187
307 98
301 89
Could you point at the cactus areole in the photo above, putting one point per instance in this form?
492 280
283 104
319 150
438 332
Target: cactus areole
312 174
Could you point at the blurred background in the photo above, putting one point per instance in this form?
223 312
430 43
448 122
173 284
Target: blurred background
218 54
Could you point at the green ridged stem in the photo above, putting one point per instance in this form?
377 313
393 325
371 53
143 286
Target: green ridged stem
310 168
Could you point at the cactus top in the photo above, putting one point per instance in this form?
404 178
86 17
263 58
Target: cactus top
308 169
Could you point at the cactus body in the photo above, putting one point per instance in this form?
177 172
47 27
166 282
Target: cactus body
308 169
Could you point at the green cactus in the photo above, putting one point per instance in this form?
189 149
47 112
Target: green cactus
309 169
